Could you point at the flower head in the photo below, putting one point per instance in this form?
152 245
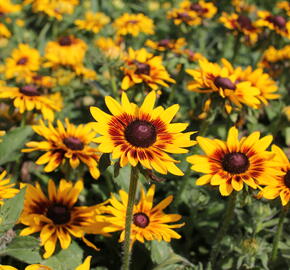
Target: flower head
231 164
141 135
6 190
280 185
141 66
149 222
71 143
134 24
29 97
110 48
93 21
57 217
167 44
7 7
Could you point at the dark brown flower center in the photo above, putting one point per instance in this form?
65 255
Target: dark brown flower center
279 21
65 41
73 143
22 61
287 179
164 43
235 163
198 8
224 83
30 90
245 22
141 220
58 213
140 133
183 16
142 68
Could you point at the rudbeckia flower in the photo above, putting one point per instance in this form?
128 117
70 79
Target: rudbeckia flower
70 143
141 66
110 48
30 97
93 22
149 222
7 7
133 24
6 190
280 185
57 217
231 164
141 135
23 61
284 5
167 44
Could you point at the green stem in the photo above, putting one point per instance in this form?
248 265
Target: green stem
237 46
223 228
129 217
113 82
278 234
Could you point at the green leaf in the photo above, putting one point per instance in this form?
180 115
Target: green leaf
12 143
24 248
66 259
160 251
11 210
104 162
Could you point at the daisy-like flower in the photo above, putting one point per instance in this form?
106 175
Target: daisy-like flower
53 8
93 21
144 134
22 62
110 48
191 55
211 78
231 164
280 185
258 79
66 51
133 24
6 190
57 217
30 97
242 6
141 66
180 15
241 23
149 222
167 44
4 32
71 143
274 22
285 5
7 7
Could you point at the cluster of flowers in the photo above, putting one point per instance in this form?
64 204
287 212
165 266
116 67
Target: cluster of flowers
140 136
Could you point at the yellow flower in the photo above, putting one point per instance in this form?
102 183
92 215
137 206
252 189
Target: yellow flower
133 24
242 6
110 48
53 8
67 51
57 217
7 7
231 164
274 22
141 66
212 78
241 23
6 190
4 32
23 61
93 22
144 134
285 5
71 143
191 55
167 44
149 223
280 185
30 97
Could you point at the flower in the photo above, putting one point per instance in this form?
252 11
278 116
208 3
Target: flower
6 190
167 44
133 24
93 21
141 66
231 164
7 7
280 185
149 223
285 5
110 48
241 23
53 8
4 32
22 62
212 78
67 51
30 97
242 6
71 143
144 134
57 217
274 22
